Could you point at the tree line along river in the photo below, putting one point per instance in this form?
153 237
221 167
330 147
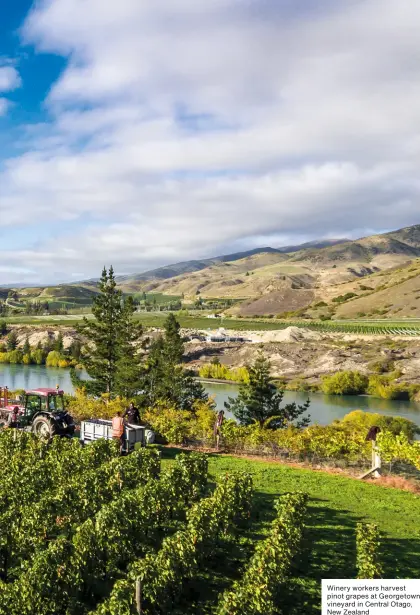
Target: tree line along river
323 410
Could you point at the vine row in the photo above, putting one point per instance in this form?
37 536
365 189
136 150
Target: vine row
162 575
72 573
367 550
270 565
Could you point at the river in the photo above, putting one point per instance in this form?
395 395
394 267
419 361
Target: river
323 410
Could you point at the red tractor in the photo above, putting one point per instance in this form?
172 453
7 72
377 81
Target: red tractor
41 411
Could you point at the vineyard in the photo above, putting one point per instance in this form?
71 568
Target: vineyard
359 328
85 531
156 319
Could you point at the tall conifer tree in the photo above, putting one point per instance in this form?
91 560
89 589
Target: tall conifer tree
110 334
259 400
165 378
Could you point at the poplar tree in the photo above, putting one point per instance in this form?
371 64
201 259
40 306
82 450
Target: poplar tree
259 400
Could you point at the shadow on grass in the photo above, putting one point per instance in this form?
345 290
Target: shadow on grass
329 551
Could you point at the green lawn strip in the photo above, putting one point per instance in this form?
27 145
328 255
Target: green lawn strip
336 504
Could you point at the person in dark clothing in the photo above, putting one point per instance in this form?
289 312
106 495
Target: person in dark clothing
132 414
13 419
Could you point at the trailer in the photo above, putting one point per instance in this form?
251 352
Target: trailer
97 429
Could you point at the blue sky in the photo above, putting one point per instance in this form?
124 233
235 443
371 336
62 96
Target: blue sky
141 134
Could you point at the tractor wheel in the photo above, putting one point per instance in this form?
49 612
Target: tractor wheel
43 428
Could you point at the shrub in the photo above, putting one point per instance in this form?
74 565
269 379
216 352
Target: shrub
298 384
15 356
222 372
345 383
343 298
169 422
37 356
386 388
53 359
176 426
382 366
362 421
82 407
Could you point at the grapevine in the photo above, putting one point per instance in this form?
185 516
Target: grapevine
162 575
367 544
76 567
270 565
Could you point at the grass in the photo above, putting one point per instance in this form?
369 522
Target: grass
336 504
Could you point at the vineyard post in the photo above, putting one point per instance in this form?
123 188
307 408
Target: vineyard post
138 596
376 460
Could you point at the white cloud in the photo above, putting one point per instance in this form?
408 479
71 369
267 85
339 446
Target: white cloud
9 78
9 81
4 105
313 126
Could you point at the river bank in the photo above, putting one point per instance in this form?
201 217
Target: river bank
323 410
298 357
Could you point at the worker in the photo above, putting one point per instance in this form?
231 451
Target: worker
118 429
132 414
218 426
13 418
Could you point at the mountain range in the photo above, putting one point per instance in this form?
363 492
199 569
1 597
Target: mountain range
170 271
293 279
371 276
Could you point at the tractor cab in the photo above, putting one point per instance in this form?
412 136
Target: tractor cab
37 401
48 400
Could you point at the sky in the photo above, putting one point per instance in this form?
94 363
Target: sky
144 133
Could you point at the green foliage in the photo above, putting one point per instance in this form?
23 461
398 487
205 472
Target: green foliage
222 372
210 520
3 327
11 341
255 592
382 366
367 545
82 406
343 440
54 358
178 426
384 386
58 344
344 298
129 366
345 383
74 535
363 421
26 347
111 335
398 448
259 401
165 379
